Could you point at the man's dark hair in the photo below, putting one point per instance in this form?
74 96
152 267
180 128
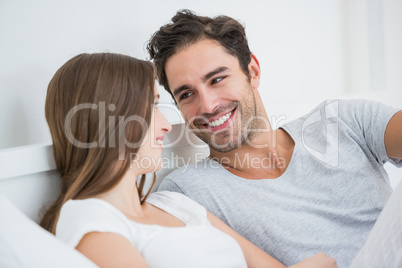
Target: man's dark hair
186 29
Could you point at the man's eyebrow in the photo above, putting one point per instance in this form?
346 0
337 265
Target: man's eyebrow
204 79
214 72
180 89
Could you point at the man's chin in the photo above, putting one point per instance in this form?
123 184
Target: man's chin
226 149
222 147
220 142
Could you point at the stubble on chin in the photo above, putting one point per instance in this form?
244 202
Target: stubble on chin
224 140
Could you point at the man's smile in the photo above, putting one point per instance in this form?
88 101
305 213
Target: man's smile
220 121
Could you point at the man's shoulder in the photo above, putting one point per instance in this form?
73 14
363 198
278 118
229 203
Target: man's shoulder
193 171
327 110
191 176
350 115
330 108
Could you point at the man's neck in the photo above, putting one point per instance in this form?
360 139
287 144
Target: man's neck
266 155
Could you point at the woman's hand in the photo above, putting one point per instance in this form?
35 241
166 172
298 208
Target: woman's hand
320 260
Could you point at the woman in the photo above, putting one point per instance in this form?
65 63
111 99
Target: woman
107 132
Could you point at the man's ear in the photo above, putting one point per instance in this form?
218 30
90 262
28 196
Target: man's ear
255 71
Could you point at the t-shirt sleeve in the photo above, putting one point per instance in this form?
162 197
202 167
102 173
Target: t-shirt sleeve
168 184
371 119
79 217
180 206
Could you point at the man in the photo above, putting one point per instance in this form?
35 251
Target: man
315 184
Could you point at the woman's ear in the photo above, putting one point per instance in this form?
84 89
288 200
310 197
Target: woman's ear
255 71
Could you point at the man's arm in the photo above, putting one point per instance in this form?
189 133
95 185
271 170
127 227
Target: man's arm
393 136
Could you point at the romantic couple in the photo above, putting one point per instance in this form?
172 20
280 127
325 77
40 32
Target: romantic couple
230 215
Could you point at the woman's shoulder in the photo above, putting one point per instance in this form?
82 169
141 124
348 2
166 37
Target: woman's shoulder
78 217
172 198
91 209
180 206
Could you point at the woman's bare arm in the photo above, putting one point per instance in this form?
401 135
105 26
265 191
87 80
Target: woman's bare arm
110 250
255 257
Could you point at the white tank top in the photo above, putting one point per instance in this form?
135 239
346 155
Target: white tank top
198 244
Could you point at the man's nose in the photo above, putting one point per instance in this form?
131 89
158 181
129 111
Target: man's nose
208 101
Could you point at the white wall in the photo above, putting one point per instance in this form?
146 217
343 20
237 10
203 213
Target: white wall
308 50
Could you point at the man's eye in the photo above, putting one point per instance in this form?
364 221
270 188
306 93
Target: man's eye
216 80
185 95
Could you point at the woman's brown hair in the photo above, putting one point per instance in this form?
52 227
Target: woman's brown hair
92 107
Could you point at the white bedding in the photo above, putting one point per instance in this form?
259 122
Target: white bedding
24 244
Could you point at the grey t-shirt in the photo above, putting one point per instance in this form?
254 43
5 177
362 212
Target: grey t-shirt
327 200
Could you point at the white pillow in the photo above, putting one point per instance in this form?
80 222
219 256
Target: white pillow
23 243
383 247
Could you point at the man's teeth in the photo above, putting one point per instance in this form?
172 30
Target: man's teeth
220 121
159 142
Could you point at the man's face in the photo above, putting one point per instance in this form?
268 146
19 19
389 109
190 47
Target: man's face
214 95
